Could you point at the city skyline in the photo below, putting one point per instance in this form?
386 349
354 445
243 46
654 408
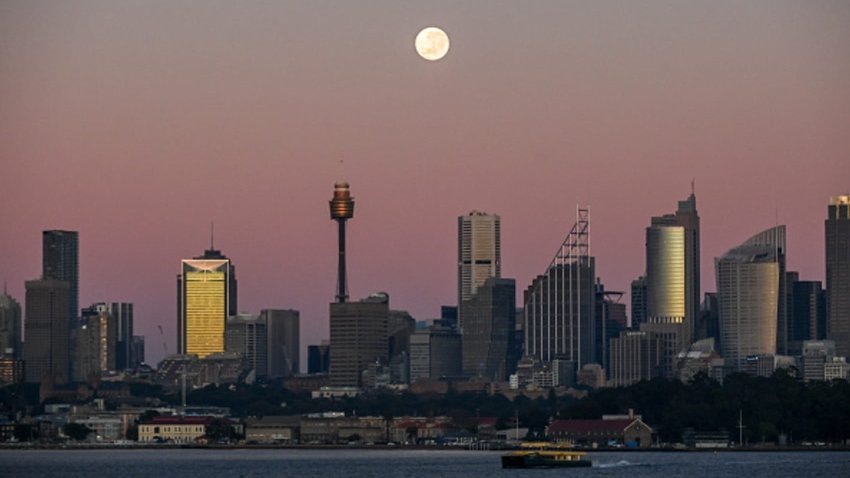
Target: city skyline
137 142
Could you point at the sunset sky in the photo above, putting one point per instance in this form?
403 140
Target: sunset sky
138 122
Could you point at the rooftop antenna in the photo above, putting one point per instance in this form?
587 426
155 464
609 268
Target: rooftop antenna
212 235
693 188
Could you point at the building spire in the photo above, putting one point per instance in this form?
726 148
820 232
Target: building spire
693 189
212 235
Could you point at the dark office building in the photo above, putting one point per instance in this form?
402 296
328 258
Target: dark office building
638 302
358 338
47 330
247 335
837 228
318 358
61 261
489 323
283 341
610 321
808 312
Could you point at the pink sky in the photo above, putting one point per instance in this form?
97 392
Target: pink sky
138 122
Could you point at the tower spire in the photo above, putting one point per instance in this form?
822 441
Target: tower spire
212 235
342 209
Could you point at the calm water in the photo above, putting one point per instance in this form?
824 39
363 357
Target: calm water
402 463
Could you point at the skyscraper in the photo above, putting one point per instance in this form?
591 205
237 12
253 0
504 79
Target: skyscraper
559 305
638 302
748 292
487 335
206 296
479 254
837 226
672 280
808 312
61 261
48 327
284 347
247 334
94 343
10 327
358 338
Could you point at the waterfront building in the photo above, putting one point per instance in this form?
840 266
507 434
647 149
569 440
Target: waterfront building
284 349
61 261
47 327
173 429
488 329
837 232
479 254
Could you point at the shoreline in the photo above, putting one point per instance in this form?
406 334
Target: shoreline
112 446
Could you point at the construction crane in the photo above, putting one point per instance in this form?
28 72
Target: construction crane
164 345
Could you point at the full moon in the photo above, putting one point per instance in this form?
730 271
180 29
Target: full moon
432 43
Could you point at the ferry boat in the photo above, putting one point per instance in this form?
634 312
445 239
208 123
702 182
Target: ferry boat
544 455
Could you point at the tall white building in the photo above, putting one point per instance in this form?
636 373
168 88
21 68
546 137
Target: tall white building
479 253
748 292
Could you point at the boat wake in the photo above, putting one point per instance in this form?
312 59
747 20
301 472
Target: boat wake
618 464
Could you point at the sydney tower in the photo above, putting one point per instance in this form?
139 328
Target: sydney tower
342 209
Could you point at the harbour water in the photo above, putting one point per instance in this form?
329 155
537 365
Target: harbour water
211 463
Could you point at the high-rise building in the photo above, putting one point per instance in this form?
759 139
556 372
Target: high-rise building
137 351
10 327
94 343
559 317
123 314
47 327
673 269
479 254
837 226
635 356
247 335
206 296
808 312
749 294
358 338
435 352
489 322
319 357
61 261
284 347
610 320
638 302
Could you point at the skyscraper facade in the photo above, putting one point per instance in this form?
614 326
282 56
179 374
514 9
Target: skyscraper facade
837 228
559 305
284 347
479 254
94 343
359 339
673 269
247 335
61 261
808 313
634 356
206 297
748 292
638 302
10 327
489 321
47 327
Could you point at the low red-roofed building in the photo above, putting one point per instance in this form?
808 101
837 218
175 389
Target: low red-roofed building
631 432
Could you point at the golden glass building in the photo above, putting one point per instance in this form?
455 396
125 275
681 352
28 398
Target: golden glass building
204 296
